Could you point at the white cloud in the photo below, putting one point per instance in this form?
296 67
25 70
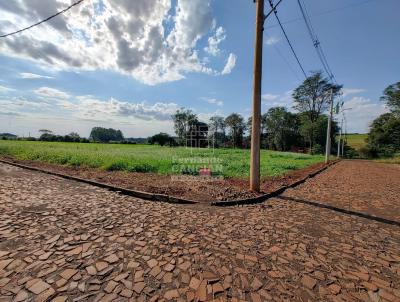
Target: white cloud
27 75
230 64
213 101
272 40
269 97
348 91
89 107
154 41
213 42
363 112
279 100
51 93
66 113
5 89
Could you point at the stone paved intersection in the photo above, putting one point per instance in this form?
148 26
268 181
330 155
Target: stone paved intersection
65 241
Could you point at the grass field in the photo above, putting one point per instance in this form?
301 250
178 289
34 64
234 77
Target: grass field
394 160
356 141
148 158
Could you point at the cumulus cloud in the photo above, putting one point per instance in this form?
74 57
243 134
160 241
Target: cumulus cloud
154 41
230 64
213 42
27 75
278 100
90 107
363 112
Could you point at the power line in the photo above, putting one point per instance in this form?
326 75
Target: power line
316 42
43 21
278 51
287 38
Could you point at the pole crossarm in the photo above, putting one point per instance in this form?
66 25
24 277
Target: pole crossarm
273 9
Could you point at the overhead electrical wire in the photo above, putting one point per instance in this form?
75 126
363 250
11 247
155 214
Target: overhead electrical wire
287 38
43 21
316 42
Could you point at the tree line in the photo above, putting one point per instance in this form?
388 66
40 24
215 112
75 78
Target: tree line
384 134
280 129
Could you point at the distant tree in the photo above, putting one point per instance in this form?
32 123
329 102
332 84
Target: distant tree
183 120
391 96
312 98
282 129
48 137
236 126
263 138
104 135
317 132
45 131
217 130
6 136
161 139
384 135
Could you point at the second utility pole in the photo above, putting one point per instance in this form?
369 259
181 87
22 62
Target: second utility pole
340 139
328 131
256 124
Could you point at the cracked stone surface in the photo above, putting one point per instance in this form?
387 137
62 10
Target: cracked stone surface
65 241
362 186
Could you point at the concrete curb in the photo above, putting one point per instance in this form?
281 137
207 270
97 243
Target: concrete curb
171 199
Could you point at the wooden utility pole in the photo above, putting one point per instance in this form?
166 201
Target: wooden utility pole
328 131
256 124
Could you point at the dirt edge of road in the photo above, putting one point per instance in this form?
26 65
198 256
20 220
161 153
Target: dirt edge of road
165 188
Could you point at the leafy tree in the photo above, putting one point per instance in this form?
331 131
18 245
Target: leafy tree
99 134
44 131
282 129
384 135
48 137
312 98
183 119
217 130
236 126
391 96
317 132
162 139
263 133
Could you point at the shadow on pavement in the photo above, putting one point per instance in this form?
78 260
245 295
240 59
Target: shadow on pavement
341 210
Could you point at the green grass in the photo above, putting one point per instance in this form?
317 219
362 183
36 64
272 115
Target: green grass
147 158
393 160
356 141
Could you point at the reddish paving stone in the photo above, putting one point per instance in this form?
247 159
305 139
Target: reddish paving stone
171 294
37 286
308 282
64 239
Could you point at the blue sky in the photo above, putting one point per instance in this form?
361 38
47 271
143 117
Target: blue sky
130 64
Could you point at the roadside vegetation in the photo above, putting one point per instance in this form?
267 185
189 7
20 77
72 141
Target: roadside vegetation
152 158
383 139
356 140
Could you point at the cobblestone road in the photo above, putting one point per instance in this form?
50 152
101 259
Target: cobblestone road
361 186
65 241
